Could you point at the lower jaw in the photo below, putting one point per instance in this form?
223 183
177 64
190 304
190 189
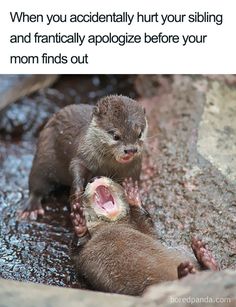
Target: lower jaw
112 215
122 161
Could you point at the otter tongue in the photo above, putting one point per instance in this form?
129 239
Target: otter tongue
108 205
106 200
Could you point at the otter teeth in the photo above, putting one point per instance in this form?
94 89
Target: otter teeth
97 197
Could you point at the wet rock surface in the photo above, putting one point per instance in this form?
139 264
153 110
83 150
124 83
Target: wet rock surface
203 289
13 87
217 131
187 195
39 251
184 192
31 295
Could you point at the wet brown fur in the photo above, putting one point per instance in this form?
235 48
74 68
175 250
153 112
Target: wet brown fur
120 258
125 256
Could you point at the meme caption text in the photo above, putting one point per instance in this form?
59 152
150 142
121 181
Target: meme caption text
96 29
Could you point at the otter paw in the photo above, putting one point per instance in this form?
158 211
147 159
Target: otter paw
75 200
31 215
203 255
32 209
185 268
132 192
78 220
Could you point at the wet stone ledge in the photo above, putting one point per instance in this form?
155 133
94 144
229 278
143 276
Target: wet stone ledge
202 289
13 293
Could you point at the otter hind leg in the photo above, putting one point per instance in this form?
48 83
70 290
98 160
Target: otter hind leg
185 268
203 255
39 187
32 208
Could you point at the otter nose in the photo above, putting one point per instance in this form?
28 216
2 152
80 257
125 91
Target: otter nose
130 150
94 178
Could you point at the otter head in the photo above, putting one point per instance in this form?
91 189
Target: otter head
120 125
104 200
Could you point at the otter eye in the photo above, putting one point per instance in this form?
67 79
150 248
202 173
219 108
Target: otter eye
115 135
140 135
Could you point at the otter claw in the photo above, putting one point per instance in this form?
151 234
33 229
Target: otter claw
31 214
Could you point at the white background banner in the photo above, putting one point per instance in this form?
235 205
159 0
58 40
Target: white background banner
117 37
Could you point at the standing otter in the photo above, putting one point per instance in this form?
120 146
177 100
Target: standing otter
82 141
115 249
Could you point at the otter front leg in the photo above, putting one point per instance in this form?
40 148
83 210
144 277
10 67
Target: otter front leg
81 233
132 192
140 217
80 176
78 221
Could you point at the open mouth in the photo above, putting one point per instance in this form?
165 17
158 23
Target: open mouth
105 201
126 158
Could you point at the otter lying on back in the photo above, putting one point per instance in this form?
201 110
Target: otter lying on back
115 248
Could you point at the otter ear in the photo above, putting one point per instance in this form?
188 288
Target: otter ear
100 109
96 111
